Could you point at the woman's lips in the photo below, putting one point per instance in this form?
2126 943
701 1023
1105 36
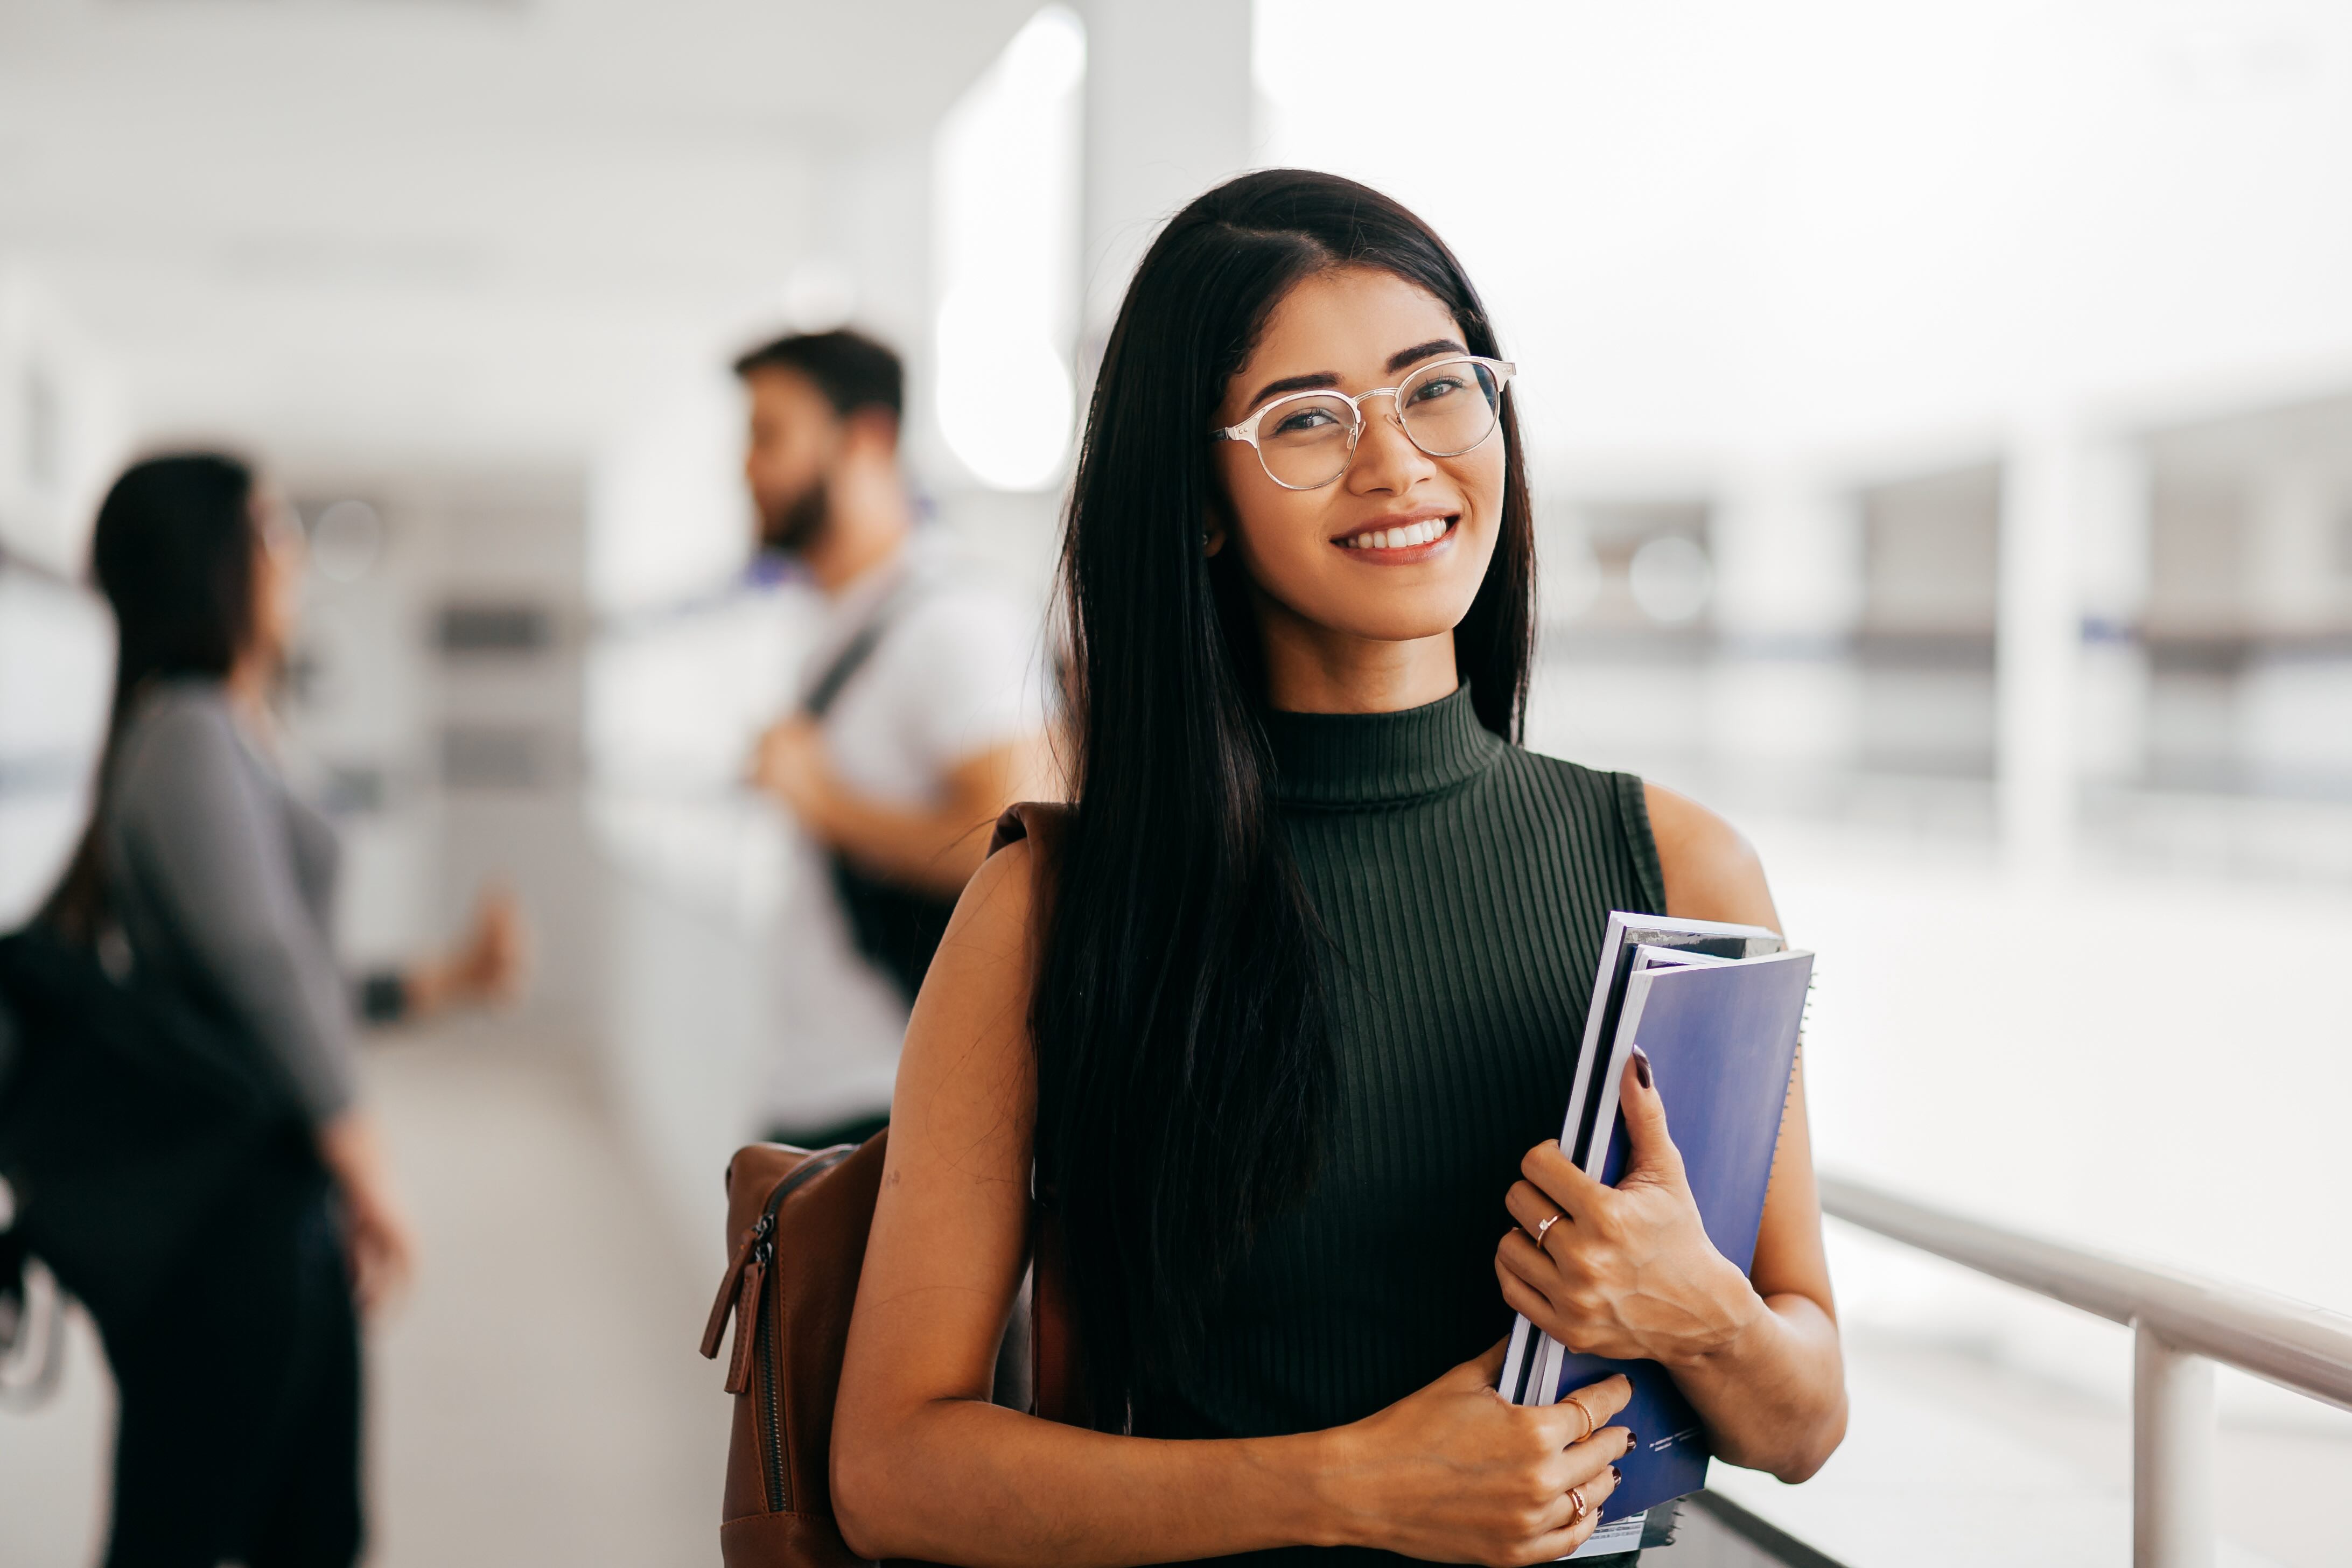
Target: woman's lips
1398 544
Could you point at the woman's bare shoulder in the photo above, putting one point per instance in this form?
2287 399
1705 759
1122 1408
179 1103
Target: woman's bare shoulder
1712 872
995 914
967 1077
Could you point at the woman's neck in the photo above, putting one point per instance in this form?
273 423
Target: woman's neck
1314 669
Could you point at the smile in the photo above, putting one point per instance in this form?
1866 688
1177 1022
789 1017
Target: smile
1399 543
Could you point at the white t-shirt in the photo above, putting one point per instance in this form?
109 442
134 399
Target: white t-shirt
955 673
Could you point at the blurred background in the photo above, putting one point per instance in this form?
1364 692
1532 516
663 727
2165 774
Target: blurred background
1941 420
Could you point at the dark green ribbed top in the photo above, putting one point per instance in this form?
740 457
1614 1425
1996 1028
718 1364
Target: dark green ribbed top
1466 884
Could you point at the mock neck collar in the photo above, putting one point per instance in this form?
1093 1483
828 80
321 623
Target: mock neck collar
1366 759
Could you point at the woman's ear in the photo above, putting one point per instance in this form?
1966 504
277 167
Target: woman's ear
1213 537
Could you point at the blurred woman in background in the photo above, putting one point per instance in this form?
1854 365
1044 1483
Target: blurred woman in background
238 1437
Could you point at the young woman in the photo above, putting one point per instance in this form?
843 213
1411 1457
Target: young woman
1284 1018
240 1430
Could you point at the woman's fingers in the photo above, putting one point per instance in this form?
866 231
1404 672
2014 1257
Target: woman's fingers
1518 1294
1532 1207
1575 1431
1606 1397
1550 1169
1651 1153
1572 1525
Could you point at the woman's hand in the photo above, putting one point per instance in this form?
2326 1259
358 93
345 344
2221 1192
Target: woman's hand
1624 1272
377 1231
490 965
1455 1473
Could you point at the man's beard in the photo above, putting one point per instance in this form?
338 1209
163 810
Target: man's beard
794 528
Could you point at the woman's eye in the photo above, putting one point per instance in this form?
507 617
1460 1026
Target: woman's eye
1305 420
1439 386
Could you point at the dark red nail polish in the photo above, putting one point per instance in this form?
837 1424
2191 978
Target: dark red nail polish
1616 1476
1641 1065
1631 1442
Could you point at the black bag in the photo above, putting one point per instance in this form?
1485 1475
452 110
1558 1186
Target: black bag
897 927
128 1113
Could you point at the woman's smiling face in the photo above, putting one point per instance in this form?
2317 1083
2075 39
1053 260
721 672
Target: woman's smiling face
1394 550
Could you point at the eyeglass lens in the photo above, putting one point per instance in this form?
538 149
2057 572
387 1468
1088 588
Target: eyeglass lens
1447 409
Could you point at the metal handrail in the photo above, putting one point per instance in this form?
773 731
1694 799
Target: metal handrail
2180 1324
2300 1347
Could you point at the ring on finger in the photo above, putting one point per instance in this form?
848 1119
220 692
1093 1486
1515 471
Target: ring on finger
1549 1220
1576 1501
1590 1425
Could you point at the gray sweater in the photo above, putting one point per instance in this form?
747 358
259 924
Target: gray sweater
225 882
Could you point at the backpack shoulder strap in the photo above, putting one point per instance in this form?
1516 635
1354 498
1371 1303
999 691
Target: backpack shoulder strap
1056 1354
826 688
1044 821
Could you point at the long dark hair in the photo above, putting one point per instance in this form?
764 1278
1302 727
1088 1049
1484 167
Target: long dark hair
1180 1015
174 552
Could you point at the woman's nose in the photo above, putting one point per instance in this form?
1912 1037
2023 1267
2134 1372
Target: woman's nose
1386 459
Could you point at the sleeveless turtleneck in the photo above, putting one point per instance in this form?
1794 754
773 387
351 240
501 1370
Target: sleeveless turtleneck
1465 884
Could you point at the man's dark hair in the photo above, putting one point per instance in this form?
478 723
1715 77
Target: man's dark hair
852 370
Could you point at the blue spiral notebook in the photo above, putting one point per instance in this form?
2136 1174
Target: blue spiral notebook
1717 1010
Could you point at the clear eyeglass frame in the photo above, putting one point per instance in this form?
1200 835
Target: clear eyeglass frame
1503 371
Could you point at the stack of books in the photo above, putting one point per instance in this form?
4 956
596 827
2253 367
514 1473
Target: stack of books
1717 1009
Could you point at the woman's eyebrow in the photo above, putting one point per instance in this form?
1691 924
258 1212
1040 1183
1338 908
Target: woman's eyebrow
1323 379
1314 382
1404 357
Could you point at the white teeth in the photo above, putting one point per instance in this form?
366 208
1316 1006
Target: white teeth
1402 538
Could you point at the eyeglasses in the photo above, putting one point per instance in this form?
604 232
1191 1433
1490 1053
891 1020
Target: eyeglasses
1446 408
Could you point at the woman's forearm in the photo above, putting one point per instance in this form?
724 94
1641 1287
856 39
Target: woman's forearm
1772 1396
965 1481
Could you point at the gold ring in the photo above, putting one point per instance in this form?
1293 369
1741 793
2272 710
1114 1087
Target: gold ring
1590 1425
1549 1221
1576 1499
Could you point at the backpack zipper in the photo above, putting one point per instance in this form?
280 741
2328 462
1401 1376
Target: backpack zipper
779 1498
770 1321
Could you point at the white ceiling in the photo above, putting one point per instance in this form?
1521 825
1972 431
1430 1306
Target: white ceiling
442 228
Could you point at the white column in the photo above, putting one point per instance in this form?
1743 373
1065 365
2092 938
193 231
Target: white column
1168 113
2290 570
1787 546
2114 569
2172 1455
2039 643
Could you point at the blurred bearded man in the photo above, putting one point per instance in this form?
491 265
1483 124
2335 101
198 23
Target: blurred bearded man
916 723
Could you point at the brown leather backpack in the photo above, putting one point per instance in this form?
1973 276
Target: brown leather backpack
796 1224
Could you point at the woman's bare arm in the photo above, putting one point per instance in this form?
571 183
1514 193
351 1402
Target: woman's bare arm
1789 1378
1759 1357
924 1466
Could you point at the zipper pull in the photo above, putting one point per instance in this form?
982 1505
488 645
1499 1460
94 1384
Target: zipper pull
727 1284
747 1317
